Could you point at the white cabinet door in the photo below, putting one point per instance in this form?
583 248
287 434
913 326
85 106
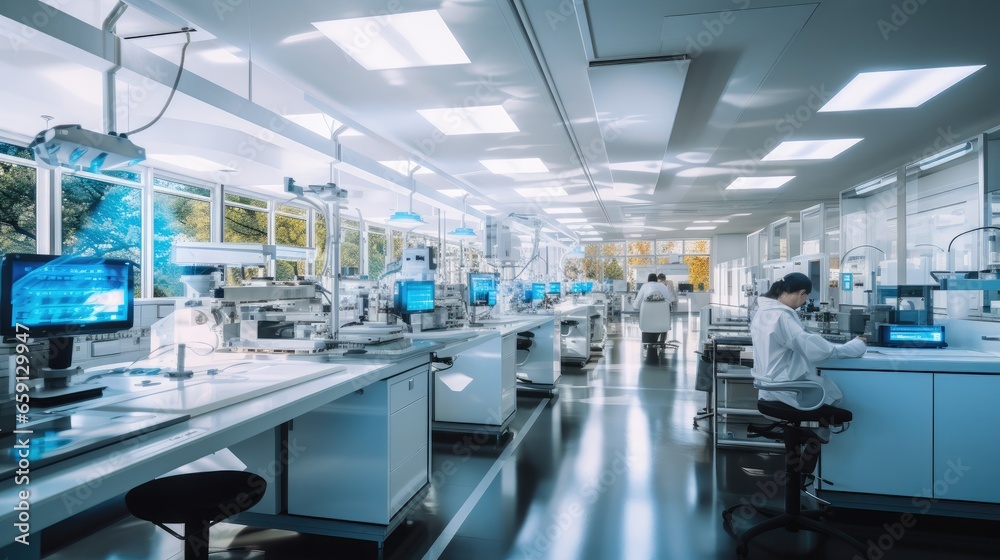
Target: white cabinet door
966 442
889 446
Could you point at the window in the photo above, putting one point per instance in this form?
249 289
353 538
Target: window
17 205
102 219
176 217
397 245
244 224
376 252
320 244
290 230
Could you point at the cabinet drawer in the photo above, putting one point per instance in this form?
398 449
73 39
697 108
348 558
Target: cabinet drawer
405 481
407 432
406 390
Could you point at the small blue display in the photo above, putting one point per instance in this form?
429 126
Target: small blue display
555 288
538 291
847 281
480 286
415 297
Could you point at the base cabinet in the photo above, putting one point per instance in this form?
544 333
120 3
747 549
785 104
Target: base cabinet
363 456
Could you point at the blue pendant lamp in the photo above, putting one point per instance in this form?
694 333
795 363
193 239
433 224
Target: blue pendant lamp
408 219
463 232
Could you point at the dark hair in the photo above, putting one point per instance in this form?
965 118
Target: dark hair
661 276
651 277
791 283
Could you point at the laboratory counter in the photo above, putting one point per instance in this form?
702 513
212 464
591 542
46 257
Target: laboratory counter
923 435
252 397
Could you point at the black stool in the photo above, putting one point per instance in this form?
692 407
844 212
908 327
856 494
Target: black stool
198 500
792 517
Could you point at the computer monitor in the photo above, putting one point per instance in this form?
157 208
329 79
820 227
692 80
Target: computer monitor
482 289
684 287
555 288
537 291
414 296
58 297
588 287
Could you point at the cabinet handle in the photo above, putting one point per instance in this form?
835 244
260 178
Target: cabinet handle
991 338
411 383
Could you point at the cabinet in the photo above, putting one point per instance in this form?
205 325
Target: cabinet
364 455
966 445
735 397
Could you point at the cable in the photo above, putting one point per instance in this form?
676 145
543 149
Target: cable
173 89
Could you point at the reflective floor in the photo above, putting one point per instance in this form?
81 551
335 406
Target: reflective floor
611 468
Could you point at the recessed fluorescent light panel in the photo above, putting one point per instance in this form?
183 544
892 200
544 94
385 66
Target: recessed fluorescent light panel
896 89
699 228
483 207
452 193
571 220
487 119
742 183
810 149
529 192
194 163
742 214
406 40
563 210
511 166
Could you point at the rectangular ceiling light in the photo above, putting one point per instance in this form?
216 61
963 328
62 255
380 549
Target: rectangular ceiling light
742 183
482 207
487 119
535 192
699 228
810 149
563 210
742 214
452 193
896 89
405 40
511 166
571 220
404 167
194 163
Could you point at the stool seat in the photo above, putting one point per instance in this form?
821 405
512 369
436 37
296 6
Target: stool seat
826 414
198 500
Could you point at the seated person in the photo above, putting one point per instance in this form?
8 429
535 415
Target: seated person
784 351
652 290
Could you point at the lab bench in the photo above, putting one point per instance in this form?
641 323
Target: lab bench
240 414
923 430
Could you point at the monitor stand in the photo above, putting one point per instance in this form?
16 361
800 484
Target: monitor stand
56 389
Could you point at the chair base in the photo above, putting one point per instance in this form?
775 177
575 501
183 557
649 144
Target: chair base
805 520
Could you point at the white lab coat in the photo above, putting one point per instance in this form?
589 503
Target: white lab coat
784 351
650 288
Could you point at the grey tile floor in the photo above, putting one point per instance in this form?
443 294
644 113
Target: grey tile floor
609 469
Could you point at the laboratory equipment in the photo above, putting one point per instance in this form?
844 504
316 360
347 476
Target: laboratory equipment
74 147
58 297
414 297
912 336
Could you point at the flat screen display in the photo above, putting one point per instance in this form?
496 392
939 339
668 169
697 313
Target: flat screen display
912 336
60 296
537 291
847 281
481 286
555 288
415 297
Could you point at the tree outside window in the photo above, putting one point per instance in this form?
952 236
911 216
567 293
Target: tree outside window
17 205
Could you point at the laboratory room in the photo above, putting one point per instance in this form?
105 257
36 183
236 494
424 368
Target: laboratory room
499 279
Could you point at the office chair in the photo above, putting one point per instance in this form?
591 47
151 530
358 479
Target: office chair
198 500
788 428
654 320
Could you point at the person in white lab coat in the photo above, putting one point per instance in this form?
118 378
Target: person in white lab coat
784 351
652 289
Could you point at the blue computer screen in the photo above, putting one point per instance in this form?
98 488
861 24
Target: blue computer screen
480 288
52 295
415 297
555 288
538 291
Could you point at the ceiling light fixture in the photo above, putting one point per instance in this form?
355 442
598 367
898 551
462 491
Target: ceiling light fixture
699 228
485 119
875 184
516 165
563 210
405 40
534 192
944 156
896 89
465 232
408 219
743 183
810 149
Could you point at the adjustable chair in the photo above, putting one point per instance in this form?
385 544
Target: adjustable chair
788 427
198 500
654 320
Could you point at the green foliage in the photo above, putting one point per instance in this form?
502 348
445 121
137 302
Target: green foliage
613 270
17 206
175 218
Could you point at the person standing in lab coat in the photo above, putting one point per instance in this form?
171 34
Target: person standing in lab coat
653 290
784 351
